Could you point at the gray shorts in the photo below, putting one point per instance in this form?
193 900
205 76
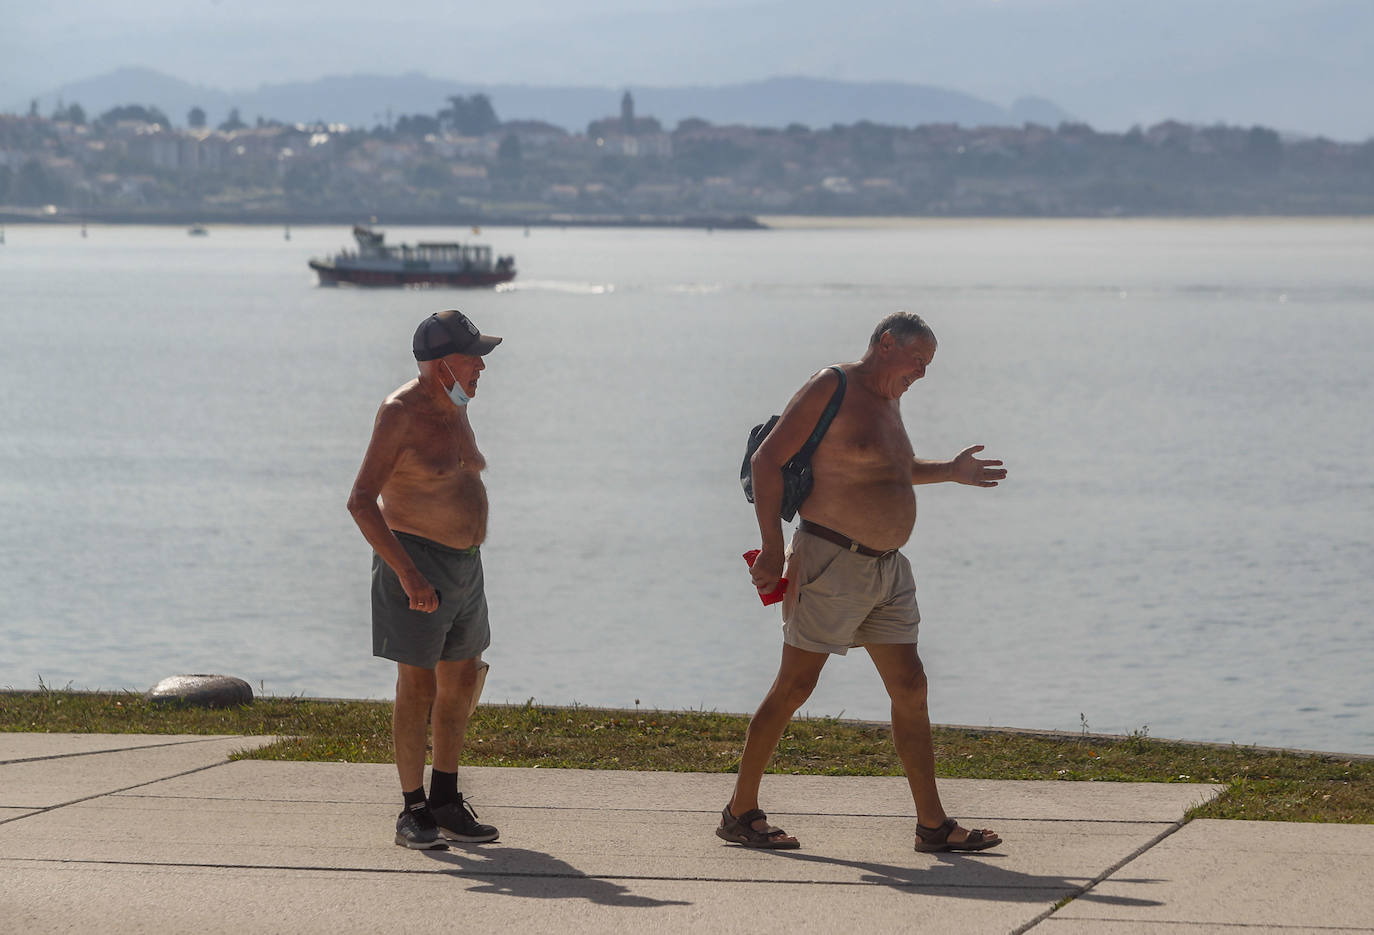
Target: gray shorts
837 599
459 629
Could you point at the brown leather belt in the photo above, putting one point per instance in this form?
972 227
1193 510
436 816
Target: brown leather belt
840 539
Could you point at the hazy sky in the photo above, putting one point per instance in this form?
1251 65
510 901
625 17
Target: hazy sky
1302 65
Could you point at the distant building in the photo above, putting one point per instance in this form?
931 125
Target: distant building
471 179
628 124
628 135
533 134
635 147
562 193
467 147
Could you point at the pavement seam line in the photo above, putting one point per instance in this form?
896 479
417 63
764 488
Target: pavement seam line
1087 888
101 795
532 874
680 811
150 746
1263 926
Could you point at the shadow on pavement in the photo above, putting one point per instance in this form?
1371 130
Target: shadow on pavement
970 875
517 871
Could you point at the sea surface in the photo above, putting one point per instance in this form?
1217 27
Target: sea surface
1184 547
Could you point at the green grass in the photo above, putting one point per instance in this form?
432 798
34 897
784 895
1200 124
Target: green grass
1261 784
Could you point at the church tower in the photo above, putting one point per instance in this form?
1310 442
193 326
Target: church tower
627 114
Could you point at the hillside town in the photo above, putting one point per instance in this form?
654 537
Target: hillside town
464 163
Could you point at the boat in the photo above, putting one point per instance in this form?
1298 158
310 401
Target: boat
197 230
438 264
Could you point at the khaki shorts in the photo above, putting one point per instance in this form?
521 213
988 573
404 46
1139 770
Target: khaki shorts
837 599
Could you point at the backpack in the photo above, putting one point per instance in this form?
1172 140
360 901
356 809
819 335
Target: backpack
796 473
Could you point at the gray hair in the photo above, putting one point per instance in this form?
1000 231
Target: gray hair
905 327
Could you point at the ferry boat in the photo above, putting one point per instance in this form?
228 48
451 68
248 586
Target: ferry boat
439 264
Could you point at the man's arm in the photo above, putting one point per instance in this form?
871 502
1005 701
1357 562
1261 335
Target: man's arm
794 427
963 469
383 451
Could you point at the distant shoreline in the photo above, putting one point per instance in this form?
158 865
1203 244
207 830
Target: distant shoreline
887 222
12 215
24 216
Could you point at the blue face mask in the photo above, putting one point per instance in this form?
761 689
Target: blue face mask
455 392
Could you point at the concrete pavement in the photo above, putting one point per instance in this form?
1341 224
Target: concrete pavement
133 833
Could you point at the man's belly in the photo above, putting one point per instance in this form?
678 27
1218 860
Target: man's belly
880 516
455 516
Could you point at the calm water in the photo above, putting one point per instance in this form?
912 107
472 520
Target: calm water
1184 544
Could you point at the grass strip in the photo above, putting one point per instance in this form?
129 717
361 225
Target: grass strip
1261 784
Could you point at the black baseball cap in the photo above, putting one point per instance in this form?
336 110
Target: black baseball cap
450 332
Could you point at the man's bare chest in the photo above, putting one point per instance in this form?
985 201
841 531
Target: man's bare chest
442 449
867 436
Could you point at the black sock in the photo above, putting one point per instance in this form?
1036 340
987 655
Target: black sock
443 788
415 800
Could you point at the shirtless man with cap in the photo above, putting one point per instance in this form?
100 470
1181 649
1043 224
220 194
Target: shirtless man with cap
848 585
420 503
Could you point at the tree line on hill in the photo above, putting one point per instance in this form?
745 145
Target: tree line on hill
463 161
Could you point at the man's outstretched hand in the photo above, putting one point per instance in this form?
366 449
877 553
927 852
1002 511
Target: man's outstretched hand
976 472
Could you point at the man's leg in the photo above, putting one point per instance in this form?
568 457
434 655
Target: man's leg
905 679
796 679
455 682
415 689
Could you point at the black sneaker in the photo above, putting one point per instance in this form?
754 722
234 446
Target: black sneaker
415 828
458 822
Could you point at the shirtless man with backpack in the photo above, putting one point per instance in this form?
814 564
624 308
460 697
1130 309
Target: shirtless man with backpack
848 583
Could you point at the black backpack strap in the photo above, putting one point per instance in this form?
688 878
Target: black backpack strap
807 450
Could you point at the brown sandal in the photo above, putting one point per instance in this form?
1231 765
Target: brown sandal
740 830
937 839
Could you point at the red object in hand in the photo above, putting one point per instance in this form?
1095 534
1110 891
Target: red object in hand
773 596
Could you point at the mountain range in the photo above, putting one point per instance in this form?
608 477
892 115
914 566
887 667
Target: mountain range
368 100
1297 66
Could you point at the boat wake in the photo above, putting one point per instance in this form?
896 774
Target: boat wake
557 285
